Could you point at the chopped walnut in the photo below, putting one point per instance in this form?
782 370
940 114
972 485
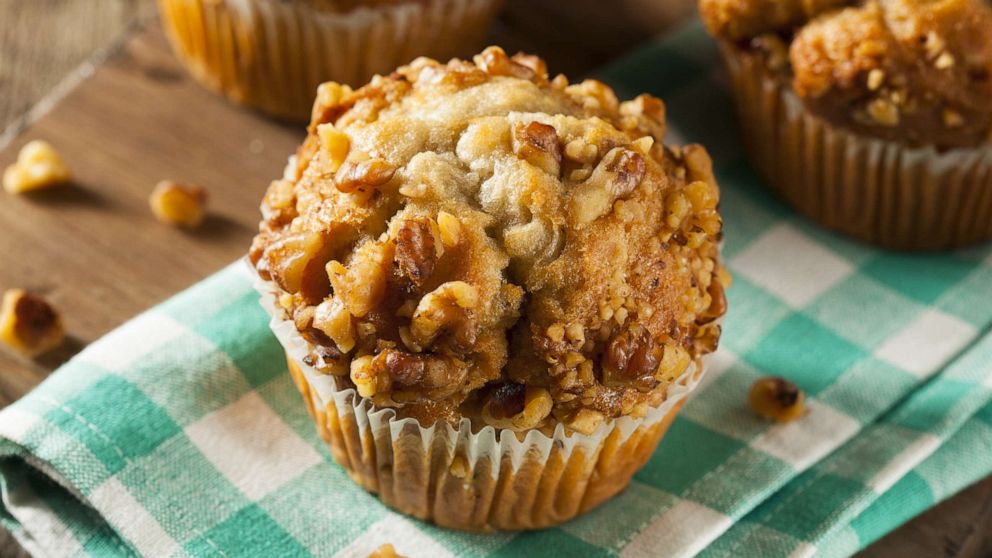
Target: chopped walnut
631 358
362 177
361 284
296 262
594 94
332 100
952 119
586 421
398 370
538 144
445 310
450 228
335 144
29 324
385 551
38 166
418 248
178 204
883 112
650 112
495 62
876 78
776 399
517 407
620 171
334 319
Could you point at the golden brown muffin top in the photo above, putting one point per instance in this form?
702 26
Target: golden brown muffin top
915 71
474 239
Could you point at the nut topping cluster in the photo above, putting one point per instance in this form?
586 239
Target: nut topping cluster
474 239
914 71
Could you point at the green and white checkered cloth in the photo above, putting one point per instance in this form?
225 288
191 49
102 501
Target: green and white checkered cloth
181 434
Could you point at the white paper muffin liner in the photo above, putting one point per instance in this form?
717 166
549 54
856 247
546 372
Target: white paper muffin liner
882 192
273 54
474 480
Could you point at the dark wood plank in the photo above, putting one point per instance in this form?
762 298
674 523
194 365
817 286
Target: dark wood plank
93 247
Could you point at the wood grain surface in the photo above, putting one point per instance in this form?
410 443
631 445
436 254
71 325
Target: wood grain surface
94 249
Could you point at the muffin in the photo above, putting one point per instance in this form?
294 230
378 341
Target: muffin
873 117
272 54
494 289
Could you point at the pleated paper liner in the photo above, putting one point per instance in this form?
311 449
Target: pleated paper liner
878 191
272 55
474 480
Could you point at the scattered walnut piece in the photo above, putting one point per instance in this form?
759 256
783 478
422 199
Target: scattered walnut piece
385 551
179 204
38 166
29 324
776 399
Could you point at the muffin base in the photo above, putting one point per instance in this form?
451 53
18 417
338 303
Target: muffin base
429 479
272 55
878 191
475 479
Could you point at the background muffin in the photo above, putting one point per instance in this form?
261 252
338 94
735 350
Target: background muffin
473 245
272 54
874 118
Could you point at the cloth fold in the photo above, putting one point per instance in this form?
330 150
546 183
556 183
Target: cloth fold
181 434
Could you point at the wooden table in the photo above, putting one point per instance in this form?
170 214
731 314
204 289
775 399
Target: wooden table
93 247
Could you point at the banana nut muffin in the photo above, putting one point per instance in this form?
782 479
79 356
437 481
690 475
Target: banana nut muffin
913 71
272 54
474 240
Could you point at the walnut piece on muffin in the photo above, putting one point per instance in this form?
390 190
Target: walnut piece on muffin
913 71
474 239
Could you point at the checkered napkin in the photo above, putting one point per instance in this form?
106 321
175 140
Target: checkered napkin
181 432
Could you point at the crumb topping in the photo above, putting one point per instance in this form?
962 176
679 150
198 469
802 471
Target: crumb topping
917 71
475 239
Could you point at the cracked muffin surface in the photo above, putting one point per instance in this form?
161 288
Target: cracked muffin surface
474 239
914 71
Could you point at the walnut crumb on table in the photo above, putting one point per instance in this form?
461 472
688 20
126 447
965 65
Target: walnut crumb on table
182 205
385 551
29 324
38 166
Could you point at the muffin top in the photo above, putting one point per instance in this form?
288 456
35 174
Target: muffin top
472 239
914 71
